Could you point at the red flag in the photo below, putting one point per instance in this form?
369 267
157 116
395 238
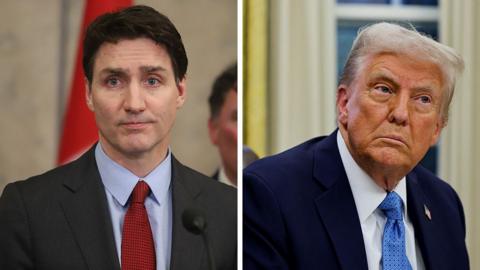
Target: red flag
79 129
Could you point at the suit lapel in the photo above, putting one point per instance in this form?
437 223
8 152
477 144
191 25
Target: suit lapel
188 251
87 214
336 206
424 227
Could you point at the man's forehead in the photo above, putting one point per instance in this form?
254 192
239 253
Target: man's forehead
146 52
398 65
408 57
126 47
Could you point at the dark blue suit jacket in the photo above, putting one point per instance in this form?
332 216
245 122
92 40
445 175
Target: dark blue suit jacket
299 213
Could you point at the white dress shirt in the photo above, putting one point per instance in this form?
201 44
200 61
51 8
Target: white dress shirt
223 178
368 196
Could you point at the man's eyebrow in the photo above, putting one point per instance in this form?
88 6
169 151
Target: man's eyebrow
149 69
381 76
114 71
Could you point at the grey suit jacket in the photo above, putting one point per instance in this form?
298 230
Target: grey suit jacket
60 220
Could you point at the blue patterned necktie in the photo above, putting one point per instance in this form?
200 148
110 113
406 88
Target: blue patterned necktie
393 243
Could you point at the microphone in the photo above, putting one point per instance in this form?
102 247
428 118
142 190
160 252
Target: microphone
195 222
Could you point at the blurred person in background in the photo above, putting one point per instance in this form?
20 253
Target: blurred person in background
249 156
222 124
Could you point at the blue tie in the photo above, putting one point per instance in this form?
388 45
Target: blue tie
393 244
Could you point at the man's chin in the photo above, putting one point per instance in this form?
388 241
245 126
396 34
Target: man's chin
391 158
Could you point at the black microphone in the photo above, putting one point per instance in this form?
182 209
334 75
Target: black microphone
195 222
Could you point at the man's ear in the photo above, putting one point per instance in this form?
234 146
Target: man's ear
342 101
182 92
88 96
213 130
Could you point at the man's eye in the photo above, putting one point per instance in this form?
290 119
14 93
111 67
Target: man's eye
425 99
152 81
383 89
112 82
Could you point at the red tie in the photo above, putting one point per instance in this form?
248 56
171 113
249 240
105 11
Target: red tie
138 252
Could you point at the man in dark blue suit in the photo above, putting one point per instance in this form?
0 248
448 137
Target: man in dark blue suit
358 199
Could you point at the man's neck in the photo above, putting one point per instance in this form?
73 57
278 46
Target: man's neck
140 164
232 176
224 177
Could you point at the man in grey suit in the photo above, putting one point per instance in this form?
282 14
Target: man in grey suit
87 214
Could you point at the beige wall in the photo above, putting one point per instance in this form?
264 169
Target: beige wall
36 64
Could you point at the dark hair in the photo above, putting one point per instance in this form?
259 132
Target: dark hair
131 23
226 81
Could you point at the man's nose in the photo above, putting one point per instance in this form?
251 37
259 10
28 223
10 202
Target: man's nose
134 99
399 110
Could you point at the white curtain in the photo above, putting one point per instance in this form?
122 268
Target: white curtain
460 142
302 71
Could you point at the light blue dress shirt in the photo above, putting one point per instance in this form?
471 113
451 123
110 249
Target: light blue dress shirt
119 183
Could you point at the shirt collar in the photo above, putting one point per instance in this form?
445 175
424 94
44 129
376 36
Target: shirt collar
120 182
223 178
366 193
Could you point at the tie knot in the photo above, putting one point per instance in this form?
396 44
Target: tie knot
140 192
392 206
